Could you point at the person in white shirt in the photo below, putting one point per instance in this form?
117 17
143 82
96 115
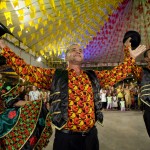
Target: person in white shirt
109 101
34 94
122 104
103 93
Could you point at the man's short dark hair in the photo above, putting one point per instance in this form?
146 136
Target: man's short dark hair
69 48
146 53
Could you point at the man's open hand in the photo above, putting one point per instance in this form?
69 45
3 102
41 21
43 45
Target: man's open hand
138 51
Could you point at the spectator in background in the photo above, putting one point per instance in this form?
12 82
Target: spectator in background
103 93
136 91
122 104
111 90
127 97
27 92
44 95
132 98
34 94
109 101
120 95
114 101
23 94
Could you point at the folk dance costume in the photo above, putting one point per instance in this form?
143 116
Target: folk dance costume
22 128
145 97
75 105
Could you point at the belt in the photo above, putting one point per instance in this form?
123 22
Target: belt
70 132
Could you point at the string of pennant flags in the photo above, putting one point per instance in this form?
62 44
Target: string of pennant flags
47 27
107 45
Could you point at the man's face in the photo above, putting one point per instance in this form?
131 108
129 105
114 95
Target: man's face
75 55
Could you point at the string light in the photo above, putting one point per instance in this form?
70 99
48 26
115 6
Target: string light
39 59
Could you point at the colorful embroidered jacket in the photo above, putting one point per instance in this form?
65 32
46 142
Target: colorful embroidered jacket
59 103
145 97
25 127
145 87
79 86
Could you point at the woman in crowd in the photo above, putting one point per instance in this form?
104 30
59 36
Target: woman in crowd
34 94
23 93
119 94
127 97
114 101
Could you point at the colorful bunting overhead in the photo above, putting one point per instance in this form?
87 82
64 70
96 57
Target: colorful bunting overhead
107 45
47 27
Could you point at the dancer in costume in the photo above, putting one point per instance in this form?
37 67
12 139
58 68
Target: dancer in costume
24 125
145 90
74 102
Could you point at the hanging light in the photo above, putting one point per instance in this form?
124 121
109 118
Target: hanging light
39 59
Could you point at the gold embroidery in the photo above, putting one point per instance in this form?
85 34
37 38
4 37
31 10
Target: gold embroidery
58 127
58 100
145 90
55 93
145 86
145 102
10 90
55 113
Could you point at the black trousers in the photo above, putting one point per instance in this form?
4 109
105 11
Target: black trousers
119 99
66 141
146 117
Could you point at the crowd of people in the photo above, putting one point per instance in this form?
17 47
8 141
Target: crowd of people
123 97
31 93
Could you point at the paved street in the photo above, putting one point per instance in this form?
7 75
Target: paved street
121 131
